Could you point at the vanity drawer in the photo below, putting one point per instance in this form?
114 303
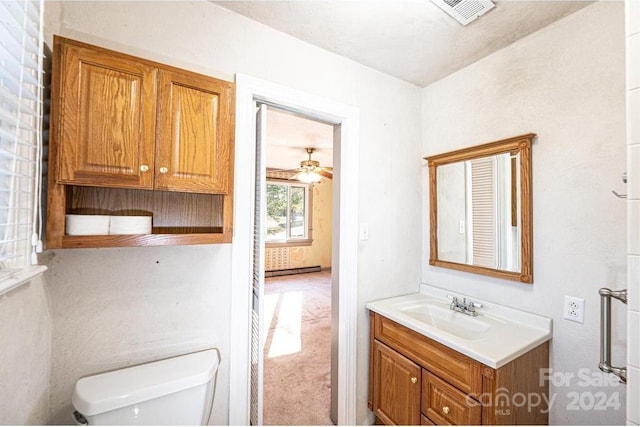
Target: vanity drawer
445 404
460 370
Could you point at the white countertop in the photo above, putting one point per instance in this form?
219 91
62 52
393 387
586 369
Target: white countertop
495 337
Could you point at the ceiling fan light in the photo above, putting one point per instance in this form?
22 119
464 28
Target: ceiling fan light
309 177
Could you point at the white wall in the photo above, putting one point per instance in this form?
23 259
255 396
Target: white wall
565 83
25 354
633 207
118 306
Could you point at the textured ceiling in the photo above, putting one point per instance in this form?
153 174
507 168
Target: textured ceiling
412 40
288 135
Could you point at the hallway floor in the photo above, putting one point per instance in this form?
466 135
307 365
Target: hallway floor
297 356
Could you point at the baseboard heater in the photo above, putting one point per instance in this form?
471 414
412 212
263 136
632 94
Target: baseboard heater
287 271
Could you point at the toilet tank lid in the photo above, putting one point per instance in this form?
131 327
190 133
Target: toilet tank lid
101 393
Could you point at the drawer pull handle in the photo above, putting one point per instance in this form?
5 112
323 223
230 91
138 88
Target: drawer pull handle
144 168
414 380
164 169
445 409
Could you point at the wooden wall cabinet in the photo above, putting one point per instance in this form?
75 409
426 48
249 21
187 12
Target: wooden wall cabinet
129 134
415 380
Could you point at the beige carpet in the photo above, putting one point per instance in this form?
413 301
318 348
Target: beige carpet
297 357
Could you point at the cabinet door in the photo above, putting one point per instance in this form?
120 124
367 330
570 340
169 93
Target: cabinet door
396 393
195 133
107 118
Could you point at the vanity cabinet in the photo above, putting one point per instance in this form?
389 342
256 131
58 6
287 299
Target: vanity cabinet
129 134
407 367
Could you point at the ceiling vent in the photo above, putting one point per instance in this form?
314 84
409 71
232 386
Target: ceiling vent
465 11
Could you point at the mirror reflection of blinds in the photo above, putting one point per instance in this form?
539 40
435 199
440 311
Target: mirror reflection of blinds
21 55
483 205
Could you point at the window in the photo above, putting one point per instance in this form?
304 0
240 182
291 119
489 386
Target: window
21 56
287 212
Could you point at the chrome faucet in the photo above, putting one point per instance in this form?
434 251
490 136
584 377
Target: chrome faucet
464 306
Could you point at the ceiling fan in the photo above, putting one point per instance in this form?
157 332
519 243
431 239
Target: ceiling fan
310 171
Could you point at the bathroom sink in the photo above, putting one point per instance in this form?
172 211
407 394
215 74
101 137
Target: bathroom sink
496 336
440 316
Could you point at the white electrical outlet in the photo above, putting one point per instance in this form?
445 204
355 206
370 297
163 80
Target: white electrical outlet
574 309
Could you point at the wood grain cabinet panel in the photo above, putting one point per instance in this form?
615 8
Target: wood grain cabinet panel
396 396
446 404
193 126
426 421
108 114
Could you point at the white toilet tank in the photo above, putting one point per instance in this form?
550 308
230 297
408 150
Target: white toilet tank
175 391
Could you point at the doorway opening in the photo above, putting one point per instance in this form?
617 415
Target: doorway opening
296 319
243 357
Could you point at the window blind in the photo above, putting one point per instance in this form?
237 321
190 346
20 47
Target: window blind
21 107
483 195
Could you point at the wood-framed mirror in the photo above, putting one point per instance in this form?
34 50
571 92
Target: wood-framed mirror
480 209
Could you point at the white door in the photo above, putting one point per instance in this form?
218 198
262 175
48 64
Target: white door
257 334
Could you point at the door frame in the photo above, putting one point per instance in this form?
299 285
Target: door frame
346 123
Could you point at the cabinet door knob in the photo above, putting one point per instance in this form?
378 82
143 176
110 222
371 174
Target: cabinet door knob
414 380
164 169
144 168
445 409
